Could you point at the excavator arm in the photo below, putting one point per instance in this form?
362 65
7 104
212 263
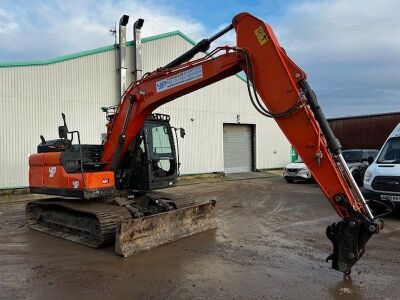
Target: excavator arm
278 89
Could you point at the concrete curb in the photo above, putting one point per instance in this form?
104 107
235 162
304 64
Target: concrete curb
14 198
22 198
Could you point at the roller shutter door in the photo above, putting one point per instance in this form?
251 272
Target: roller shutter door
238 149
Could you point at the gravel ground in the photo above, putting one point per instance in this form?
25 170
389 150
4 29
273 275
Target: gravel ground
270 243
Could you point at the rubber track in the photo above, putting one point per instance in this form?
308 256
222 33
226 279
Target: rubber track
103 217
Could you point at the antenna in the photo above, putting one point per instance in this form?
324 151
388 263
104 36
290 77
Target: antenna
113 32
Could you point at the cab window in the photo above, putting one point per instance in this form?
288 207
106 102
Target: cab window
159 142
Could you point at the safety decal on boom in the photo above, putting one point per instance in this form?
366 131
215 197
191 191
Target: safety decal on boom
179 79
261 36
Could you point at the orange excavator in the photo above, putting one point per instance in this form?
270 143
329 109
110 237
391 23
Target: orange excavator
111 184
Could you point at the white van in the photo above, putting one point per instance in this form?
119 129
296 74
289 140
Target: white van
382 178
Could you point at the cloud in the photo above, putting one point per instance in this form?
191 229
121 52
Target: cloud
350 50
46 29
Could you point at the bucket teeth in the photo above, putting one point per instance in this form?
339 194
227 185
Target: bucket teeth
138 235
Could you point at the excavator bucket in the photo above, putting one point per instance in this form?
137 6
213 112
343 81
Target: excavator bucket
138 235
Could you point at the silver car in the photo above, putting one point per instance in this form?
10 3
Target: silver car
296 170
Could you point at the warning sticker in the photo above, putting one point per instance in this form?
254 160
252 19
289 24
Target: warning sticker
261 36
179 79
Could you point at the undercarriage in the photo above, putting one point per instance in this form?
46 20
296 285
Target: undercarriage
135 223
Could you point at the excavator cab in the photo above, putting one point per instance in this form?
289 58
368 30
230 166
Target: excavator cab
151 162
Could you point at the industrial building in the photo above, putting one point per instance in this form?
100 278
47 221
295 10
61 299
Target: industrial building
365 131
224 133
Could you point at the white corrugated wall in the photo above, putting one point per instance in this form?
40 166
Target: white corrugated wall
33 97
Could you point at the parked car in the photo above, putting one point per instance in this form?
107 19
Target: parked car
382 178
296 170
358 161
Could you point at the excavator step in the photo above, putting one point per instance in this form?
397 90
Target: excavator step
138 235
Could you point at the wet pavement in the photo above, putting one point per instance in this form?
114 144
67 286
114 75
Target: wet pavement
270 243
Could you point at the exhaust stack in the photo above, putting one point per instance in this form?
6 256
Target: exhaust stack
122 55
137 50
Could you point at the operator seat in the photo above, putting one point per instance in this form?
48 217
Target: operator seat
53 145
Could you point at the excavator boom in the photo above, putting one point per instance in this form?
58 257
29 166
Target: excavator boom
278 89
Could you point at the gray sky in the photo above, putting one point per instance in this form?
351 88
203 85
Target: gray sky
349 49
